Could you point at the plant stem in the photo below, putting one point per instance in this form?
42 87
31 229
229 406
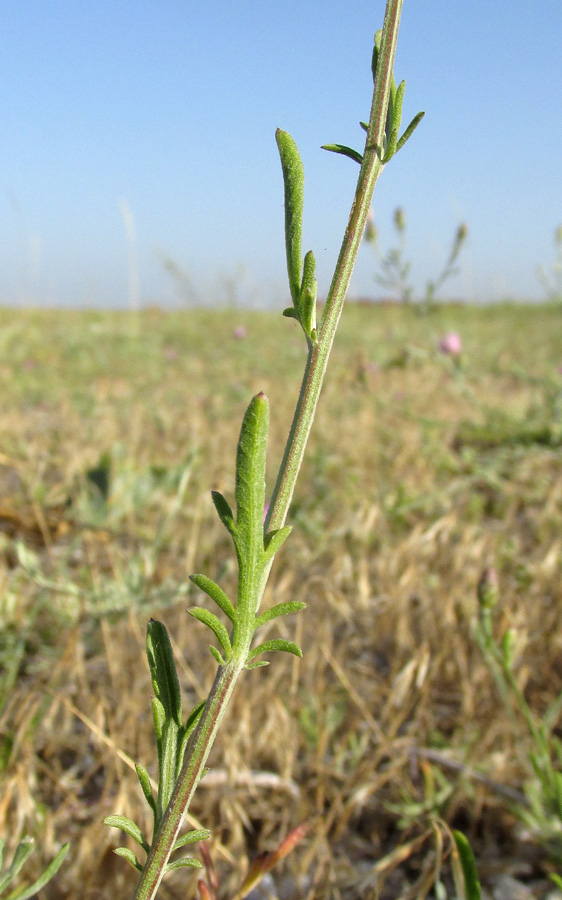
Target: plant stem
203 738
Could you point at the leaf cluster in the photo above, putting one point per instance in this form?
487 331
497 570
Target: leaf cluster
172 737
391 143
254 549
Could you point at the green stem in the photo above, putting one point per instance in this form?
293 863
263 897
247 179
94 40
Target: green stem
203 738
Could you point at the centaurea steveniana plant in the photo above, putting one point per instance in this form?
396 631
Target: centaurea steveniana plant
183 749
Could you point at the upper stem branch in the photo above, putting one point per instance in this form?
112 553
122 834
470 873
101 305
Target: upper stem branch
319 352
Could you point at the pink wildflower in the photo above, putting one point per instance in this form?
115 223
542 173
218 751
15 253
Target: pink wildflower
239 333
451 344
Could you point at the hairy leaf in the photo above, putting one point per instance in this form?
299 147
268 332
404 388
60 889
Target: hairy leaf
344 151
163 670
410 130
224 512
216 626
307 298
274 540
129 856
293 180
275 644
129 827
146 787
203 834
250 480
185 861
280 609
216 593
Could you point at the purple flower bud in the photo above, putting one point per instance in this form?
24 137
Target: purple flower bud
239 333
451 344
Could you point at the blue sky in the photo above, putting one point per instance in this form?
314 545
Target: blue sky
164 114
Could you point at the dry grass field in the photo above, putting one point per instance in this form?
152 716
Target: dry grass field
421 471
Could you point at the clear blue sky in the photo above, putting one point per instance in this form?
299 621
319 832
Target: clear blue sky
171 108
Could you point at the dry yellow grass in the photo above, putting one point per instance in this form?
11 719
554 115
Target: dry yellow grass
394 519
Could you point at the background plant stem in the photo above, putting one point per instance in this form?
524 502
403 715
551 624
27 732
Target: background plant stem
317 360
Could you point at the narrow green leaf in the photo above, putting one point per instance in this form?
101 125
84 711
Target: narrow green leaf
274 540
192 837
344 151
23 852
290 313
468 863
280 609
129 827
194 717
190 726
556 879
2 845
216 655
48 874
159 717
224 512
364 126
216 593
257 665
185 861
250 478
275 644
410 130
146 787
376 53
163 670
129 856
307 299
216 626
394 122
293 180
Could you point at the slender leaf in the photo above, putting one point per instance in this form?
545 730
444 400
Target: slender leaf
274 540
280 609
224 512
216 654
190 726
216 626
307 297
344 151
275 644
129 827
184 862
395 119
250 478
129 856
410 130
146 787
203 834
23 852
216 593
48 874
293 180
163 669
468 863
